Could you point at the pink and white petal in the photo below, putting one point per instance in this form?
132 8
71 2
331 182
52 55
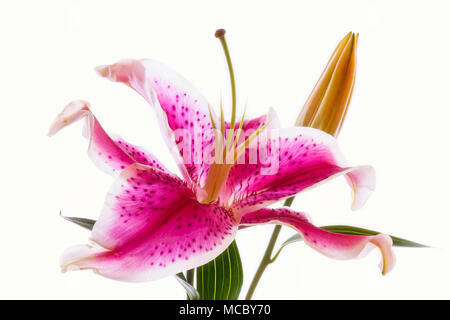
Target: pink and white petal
151 227
139 154
182 111
292 160
110 154
186 110
361 189
333 245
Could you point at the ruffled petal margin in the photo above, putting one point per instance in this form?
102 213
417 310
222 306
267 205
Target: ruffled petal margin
293 160
333 245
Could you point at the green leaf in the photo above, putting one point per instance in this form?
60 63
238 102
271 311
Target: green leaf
221 278
191 292
396 241
83 222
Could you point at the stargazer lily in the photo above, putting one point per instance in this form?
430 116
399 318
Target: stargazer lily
156 224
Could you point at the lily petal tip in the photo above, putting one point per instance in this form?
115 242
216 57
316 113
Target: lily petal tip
70 267
80 257
71 113
360 198
384 243
103 71
363 182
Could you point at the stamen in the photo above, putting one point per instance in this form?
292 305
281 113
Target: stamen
242 146
215 181
212 118
222 119
222 129
241 124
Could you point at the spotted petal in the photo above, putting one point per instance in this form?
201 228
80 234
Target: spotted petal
333 245
290 161
179 106
184 114
151 227
112 155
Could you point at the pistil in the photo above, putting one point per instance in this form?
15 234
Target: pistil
226 154
220 34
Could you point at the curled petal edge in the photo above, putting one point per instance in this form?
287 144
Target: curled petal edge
333 245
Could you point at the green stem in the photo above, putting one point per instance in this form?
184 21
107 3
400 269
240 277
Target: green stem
190 276
267 258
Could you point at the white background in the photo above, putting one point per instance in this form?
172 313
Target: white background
398 122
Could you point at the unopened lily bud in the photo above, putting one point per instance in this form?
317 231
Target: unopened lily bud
328 102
